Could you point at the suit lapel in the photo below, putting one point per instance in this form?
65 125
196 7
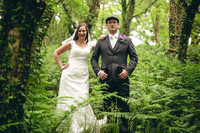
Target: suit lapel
108 42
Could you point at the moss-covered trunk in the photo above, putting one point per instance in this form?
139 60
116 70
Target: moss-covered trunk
18 27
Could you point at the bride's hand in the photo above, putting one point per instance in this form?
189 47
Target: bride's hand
65 66
102 37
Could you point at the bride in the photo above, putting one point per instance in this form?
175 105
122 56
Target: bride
74 82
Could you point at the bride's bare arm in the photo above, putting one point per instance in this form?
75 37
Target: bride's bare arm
58 52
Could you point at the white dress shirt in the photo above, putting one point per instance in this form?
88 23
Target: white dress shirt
113 39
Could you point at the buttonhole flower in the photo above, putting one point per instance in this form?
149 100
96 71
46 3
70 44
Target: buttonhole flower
121 38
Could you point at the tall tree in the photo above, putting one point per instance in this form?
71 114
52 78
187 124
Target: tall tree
71 25
19 25
190 10
128 8
157 25
92 16
102 19
175 23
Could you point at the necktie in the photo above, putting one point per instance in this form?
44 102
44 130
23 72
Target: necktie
112 41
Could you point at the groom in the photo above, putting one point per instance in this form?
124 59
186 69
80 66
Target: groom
114 70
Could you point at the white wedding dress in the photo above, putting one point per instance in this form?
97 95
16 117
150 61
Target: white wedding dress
74 88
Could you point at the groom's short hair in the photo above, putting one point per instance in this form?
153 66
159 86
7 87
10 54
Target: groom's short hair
112 17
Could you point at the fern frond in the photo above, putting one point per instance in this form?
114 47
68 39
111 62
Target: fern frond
152 107
143 116
6 126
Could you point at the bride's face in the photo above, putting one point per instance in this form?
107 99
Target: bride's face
82 32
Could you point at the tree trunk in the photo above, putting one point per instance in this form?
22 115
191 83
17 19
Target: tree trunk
175 23
157 26
93 13
18 25
71 25
102 19
186 29
127 15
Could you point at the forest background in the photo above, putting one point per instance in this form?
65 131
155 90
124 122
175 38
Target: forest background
164 88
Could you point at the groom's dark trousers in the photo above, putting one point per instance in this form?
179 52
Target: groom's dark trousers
122 90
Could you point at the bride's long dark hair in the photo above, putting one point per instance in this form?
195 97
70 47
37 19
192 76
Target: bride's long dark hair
76 34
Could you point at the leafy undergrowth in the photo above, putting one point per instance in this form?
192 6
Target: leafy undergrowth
164 95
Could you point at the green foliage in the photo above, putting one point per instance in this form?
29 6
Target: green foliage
193 53
164 96
28 21
145 25
61 25
195 37
18 22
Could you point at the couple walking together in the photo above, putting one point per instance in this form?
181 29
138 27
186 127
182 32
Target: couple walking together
114 71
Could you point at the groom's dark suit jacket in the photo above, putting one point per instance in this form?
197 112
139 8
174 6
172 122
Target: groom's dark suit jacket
114 60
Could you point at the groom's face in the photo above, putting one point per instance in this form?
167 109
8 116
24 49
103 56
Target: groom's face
112 26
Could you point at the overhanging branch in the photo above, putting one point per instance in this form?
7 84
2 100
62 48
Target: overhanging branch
140 3
145 9
68 14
